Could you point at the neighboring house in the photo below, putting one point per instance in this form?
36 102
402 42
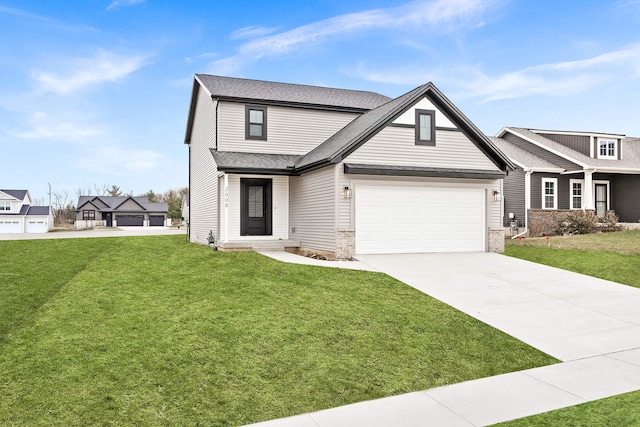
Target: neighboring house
119 211
18 216
185 209
560 170
339 172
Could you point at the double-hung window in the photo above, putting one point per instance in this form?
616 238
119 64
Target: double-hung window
88 214
256 122
425 127
549 193
5 206
607 149
577 192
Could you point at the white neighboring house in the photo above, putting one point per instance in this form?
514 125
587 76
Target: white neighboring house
18 216
339 172
185 209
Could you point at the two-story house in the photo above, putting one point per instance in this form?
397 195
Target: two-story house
18 215
562 170
339 172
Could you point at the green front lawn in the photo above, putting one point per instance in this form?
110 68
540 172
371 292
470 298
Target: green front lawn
154 330
610 256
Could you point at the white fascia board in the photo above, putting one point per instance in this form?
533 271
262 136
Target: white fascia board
616 170
547 170
545 147
564 132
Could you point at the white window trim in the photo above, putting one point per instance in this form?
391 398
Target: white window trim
615 148
571 182
6 206
555 192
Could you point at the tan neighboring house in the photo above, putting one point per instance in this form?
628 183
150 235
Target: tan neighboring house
339 172
17 215
119 211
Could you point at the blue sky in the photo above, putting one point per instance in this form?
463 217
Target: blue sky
96 92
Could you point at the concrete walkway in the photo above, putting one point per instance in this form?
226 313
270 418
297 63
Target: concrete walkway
592 325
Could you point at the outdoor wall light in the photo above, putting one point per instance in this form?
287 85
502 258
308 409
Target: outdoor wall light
346 193
497 197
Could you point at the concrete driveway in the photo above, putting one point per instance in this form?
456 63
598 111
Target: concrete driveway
567 315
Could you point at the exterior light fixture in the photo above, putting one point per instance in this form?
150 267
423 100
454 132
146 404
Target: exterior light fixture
346 193
497 197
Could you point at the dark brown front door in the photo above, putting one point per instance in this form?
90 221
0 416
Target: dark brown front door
255 207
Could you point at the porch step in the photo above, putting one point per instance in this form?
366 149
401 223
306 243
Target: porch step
258 245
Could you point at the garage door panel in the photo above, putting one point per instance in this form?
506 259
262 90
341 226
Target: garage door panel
419 219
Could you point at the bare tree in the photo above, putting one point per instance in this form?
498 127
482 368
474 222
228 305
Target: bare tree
101 190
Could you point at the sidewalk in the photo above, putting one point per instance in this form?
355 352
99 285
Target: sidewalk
100 232
606 364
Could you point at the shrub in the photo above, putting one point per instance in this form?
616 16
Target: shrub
610 222
578 222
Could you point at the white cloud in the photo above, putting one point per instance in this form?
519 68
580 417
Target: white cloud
103 67
556 79
444 14
207 55
252 32
113 159
117 4
43 125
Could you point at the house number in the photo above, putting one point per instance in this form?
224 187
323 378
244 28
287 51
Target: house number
226 197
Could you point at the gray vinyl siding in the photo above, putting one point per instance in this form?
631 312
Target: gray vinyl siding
563 189
579 143
514 197
289 130
203 180
312 206
541 152
625 197
396 146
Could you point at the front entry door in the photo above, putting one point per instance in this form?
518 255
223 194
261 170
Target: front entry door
108 218
601 199
255 207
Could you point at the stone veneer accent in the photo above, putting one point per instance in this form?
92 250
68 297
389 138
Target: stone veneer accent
496 240
543 222
345 243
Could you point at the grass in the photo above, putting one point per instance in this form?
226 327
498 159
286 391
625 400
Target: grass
611 256
157 331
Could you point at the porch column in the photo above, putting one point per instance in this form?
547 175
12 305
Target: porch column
527 196
225 223
588 190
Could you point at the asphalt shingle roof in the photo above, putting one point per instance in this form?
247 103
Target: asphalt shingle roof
521 156
630 156
230 87
38 210
227 160
18 194
113 202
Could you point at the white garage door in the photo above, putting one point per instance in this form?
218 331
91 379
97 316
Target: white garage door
37 226
10 226
419 219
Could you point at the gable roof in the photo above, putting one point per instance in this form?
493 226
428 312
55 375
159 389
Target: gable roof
630 160
362 128
231 88
524 158
113 202
18 194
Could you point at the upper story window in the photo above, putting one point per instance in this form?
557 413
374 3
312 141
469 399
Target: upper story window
607 149
549 193
5 206
256 123
88 214
425 127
